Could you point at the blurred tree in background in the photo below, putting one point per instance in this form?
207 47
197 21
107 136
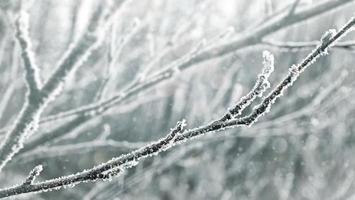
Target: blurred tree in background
301 150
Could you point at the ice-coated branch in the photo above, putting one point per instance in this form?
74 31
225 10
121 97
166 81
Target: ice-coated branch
31 69
178 134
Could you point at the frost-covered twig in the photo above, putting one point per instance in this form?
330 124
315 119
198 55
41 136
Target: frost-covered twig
297 46
33 175
31 69
178 134
141 83
77 148
289 9
261 85
114 55
292 76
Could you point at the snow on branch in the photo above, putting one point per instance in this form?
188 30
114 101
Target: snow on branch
178 134
31 69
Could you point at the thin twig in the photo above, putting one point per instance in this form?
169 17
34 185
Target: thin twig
33 175
297 46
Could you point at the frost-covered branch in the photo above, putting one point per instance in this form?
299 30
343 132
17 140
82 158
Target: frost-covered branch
77 53
28 119
297 46
248 38
103 171
31 69
179 134
261 85
294 72
77 148
141 83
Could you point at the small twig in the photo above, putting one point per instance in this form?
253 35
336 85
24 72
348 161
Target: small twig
297 46
289 9
261 85
33 175
77 149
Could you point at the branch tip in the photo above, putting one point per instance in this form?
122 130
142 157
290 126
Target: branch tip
33 175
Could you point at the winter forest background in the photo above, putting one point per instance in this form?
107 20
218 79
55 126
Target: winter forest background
302 149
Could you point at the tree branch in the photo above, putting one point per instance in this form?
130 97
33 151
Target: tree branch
31 69
178 135
248 38
28 119
297 46
33 175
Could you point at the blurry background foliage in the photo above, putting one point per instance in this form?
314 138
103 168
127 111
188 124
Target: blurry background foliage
303 149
